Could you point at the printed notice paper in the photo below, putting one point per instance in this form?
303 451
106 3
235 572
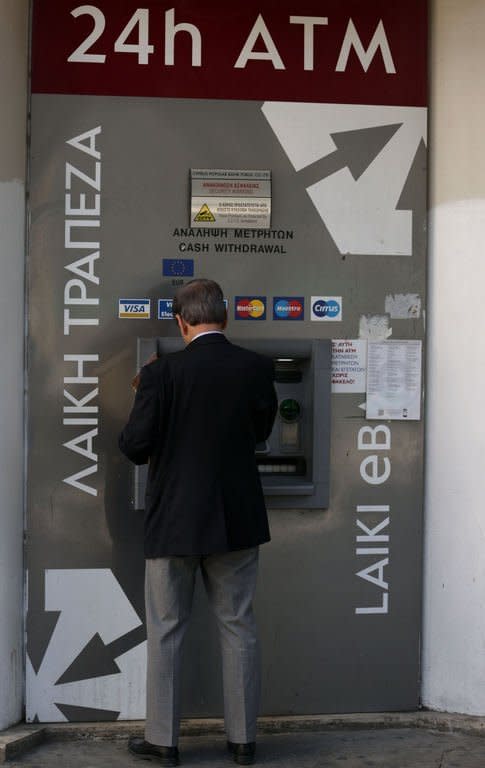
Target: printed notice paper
394 380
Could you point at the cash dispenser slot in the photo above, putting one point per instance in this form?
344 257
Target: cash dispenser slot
282 465
293 463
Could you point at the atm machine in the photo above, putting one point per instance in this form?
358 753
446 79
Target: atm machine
294 461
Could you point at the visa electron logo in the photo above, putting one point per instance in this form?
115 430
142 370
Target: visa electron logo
250 308
326 307
288 308
165 309
137 308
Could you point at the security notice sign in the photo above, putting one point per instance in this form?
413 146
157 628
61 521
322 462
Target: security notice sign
231 198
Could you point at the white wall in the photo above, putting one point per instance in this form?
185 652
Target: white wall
13 100
454 601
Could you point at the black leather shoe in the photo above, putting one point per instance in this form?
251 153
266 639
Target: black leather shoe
243 754
166 756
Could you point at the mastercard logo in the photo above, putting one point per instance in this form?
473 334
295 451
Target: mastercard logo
250 308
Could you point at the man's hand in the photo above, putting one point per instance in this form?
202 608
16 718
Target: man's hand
136 380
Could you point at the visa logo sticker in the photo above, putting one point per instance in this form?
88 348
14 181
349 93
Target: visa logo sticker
250 308
165 309
326 308
178 267
138 308
288 308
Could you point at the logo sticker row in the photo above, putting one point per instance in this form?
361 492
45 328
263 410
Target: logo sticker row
289 308
323 308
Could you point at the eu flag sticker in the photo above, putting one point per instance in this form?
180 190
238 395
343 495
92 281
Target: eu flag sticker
178 267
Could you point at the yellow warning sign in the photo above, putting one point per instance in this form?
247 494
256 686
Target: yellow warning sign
205 214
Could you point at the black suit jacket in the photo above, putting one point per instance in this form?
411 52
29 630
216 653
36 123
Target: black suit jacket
197 417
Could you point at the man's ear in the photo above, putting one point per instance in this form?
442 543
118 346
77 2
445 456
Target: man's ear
181 324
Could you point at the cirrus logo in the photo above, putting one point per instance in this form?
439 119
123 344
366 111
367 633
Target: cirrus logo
326 308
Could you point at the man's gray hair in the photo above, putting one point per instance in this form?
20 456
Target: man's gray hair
200 301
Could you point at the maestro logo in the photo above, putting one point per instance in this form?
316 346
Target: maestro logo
288 307
250 308
326 308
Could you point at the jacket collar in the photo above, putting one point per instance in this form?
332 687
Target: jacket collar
207 338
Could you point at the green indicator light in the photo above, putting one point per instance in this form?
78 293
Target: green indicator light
290 410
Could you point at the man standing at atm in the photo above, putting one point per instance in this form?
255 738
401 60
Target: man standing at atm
196 419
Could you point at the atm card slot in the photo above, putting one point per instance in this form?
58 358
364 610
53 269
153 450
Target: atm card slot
287 370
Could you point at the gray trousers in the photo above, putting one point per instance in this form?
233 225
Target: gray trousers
230 582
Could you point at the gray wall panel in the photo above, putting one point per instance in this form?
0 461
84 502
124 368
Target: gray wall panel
319 656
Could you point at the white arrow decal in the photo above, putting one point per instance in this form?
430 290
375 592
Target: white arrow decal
123 692
360 214
91 602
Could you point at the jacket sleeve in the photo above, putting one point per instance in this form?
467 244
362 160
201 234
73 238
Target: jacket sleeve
266 403
137 439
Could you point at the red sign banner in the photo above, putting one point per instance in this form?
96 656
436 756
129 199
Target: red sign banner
334 51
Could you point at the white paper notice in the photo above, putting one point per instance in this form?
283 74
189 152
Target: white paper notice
349 361
394 380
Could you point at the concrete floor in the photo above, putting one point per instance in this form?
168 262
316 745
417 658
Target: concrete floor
382 748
